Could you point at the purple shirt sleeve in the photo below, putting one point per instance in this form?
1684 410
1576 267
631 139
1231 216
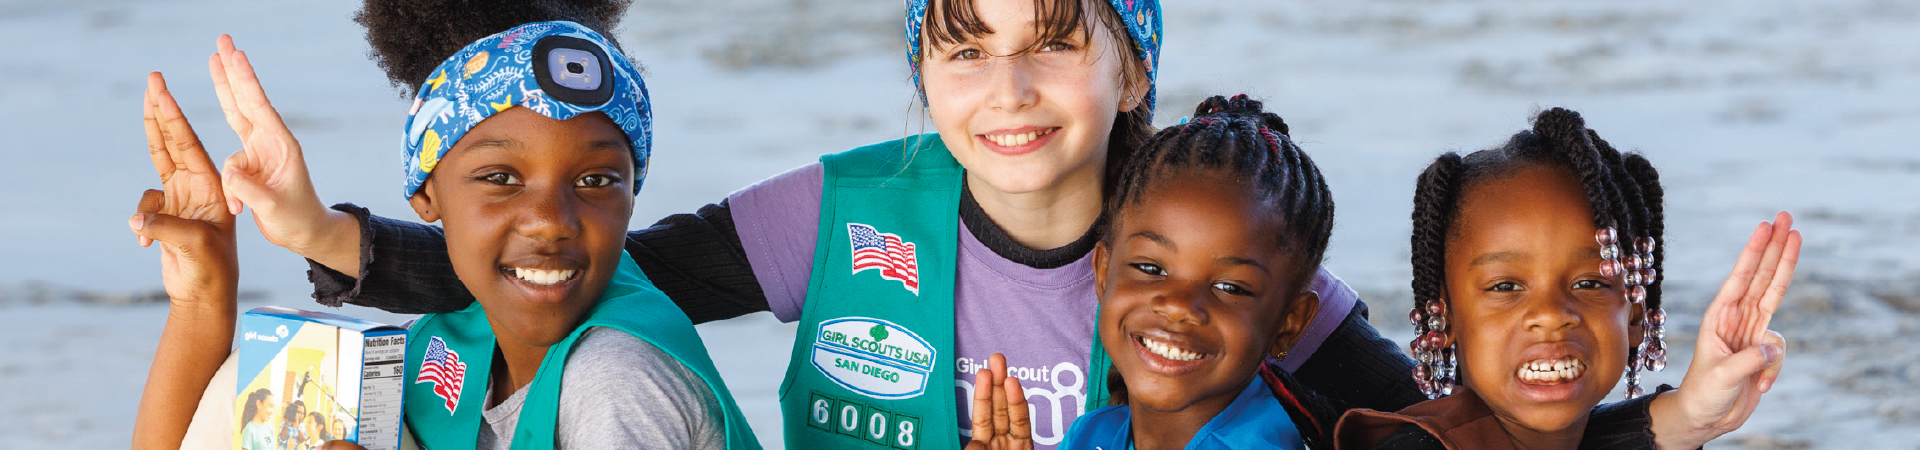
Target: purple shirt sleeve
1336 301
778 220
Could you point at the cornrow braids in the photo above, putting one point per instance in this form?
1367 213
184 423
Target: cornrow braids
1624 193
1239 137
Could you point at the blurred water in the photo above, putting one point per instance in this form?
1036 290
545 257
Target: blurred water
1746 107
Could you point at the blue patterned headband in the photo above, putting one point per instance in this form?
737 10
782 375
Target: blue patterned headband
558 69
1141 16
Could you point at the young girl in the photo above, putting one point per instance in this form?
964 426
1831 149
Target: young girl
539 136
1537 277
967 243
1216 228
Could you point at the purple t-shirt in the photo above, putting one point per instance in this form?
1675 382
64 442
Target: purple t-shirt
1041 319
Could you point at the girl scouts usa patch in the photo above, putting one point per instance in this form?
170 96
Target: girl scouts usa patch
886 253
873 357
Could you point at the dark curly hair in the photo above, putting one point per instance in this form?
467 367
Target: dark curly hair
411 37
1240 138
1623 190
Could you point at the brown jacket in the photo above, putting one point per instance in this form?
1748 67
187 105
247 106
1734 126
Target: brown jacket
1459 421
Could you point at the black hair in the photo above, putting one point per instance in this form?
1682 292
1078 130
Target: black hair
1238 137
1623 190
253 405
953 21
320 422
411 37
290 418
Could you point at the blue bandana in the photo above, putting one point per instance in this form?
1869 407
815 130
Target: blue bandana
1143 24
558 69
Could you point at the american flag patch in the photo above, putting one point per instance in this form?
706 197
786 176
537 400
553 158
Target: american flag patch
443 368
886 253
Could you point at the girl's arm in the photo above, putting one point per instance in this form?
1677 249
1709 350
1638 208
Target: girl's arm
696 259
402 266
1359 367
198 267
1736 358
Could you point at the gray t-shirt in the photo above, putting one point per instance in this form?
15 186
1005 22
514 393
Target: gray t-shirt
1041 319
620 393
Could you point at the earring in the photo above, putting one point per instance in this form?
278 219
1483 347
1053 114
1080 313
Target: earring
1435 367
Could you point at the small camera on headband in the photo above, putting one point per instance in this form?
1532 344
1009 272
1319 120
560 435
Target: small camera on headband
573 70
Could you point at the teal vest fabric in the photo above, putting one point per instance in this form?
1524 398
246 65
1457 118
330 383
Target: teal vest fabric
458 348
872 364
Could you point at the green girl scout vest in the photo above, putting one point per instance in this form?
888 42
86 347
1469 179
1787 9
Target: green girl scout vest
449 356
872 363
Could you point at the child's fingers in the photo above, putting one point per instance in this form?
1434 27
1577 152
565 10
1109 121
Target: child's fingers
982 406
1782 279
156 143
150 202
218 71
249 94
1733 372
183 145
1776 243
1743 268
187 235
1774 347
998 364
1020 424
239 183
1747 329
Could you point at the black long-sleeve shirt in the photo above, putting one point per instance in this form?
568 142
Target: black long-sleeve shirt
698 261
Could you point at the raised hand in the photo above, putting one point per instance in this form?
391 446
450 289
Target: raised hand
269 172
1736 358
199 267
1000 416
188 216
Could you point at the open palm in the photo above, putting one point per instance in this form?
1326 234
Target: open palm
269 172
188 216
1737 358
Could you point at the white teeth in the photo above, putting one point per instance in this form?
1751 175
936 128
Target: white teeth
1168 351
1551 371
542 277
1016 140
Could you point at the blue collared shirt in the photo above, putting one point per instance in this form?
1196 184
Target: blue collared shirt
1255 420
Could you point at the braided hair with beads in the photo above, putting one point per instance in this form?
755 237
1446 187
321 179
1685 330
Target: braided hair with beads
1624 192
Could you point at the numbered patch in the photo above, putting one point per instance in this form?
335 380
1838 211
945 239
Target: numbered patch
861 421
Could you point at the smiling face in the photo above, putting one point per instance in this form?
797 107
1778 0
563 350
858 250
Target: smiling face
535 212
1195 294
1024 115
1542 335
263 411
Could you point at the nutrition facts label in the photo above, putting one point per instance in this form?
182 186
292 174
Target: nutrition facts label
380 391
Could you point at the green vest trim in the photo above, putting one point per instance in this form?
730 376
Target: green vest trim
463 346
872 363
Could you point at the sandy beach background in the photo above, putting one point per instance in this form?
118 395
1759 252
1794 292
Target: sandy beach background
1747 107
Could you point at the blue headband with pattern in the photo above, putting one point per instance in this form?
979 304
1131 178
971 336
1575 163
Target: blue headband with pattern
1141 16
558 69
